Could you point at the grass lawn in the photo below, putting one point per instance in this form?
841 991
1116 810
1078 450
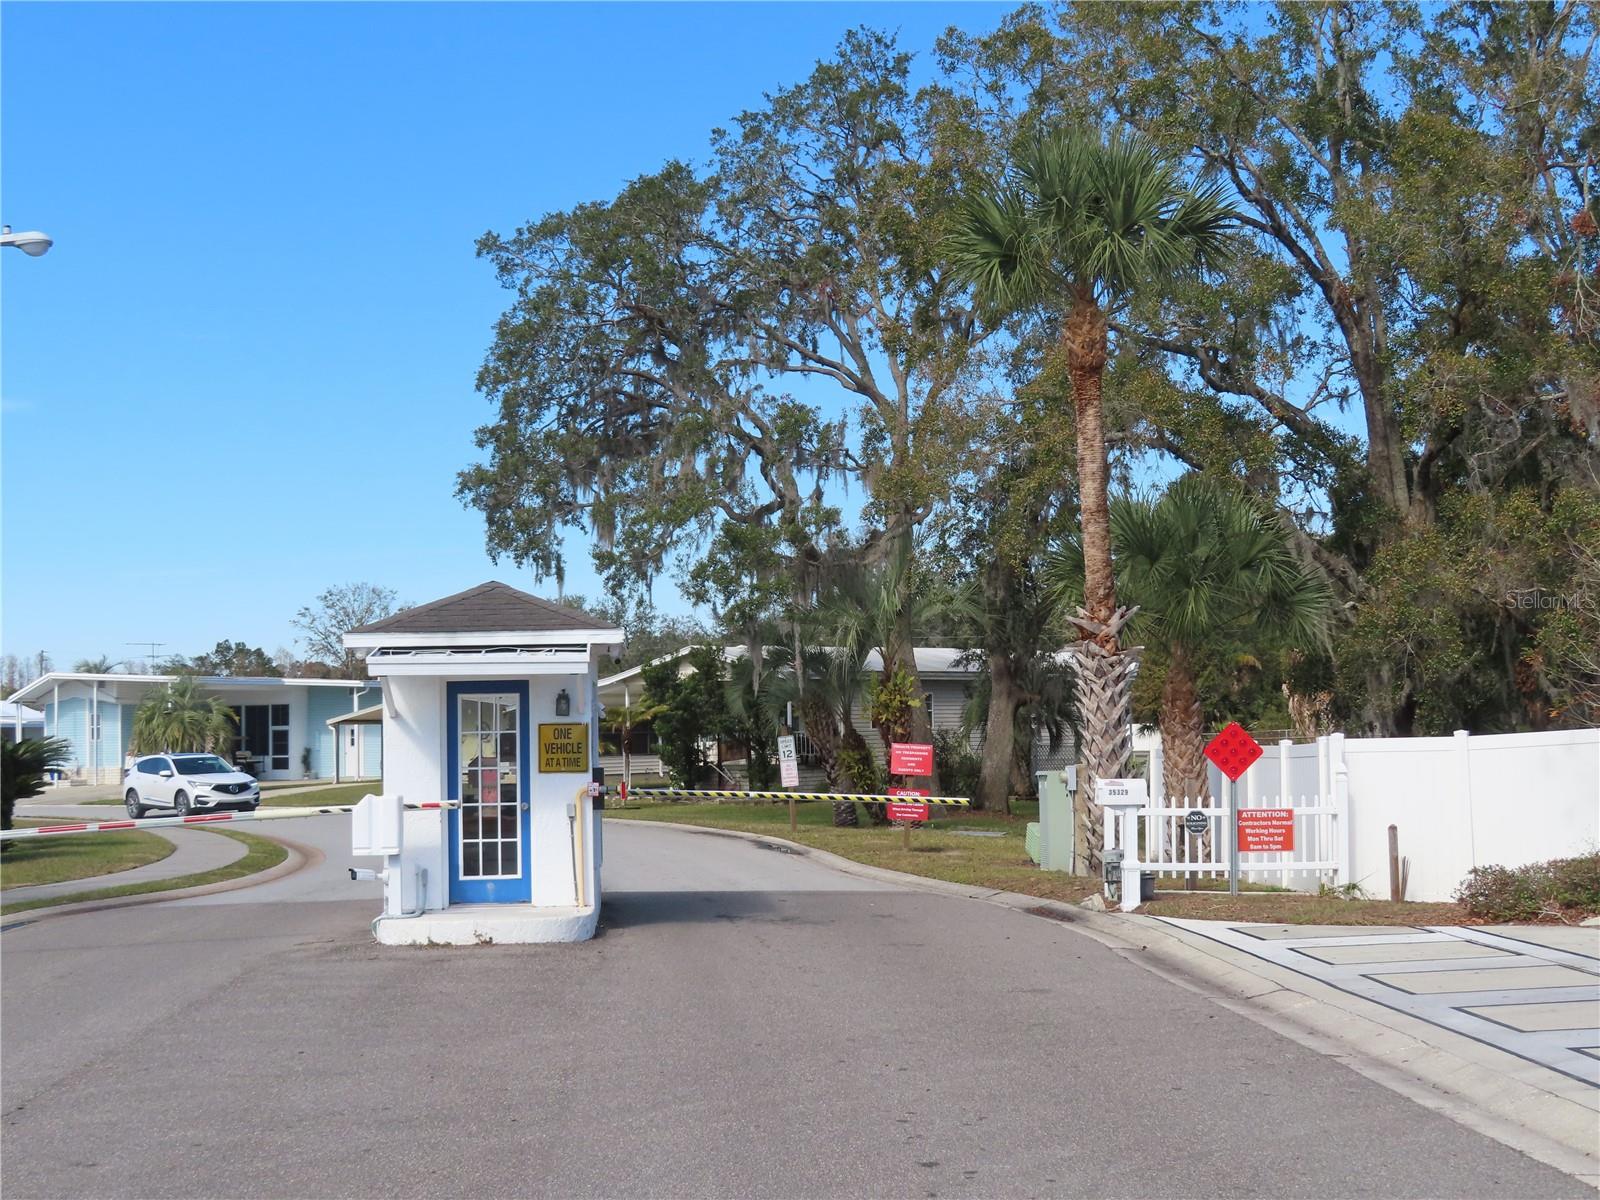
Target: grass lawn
260 854
58 859
938 850
344 793
1299 908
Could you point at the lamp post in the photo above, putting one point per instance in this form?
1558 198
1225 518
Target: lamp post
31 242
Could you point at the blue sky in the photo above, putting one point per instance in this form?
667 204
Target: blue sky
244 373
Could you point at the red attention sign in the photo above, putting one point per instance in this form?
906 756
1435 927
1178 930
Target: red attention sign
1266 829
1233 750
910 758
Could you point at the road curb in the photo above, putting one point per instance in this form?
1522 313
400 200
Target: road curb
1542 1114
298 858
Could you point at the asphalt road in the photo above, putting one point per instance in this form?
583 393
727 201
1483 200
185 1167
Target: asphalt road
748 1024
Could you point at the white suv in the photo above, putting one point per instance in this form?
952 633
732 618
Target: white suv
188 783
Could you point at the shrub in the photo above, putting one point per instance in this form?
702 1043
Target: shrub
956 763
1561 889
26 763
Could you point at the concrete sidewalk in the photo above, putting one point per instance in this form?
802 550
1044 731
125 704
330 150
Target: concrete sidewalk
1535 996
195 850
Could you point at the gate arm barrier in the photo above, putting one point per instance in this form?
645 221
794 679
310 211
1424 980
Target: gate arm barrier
835 797
122 826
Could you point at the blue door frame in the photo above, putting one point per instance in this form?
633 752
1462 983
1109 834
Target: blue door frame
489 891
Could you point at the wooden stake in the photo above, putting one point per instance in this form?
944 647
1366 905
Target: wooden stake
1396 891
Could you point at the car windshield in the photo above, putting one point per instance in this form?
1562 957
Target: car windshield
201 764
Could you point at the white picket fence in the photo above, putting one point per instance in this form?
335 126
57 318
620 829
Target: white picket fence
1153 837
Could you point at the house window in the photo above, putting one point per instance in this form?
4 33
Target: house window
264 733
280 737
94 724
927 707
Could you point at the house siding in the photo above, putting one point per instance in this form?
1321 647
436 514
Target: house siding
325 703
321 705
372 751
70 721
948 700
112 745
89 763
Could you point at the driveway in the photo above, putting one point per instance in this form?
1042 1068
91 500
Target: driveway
749 1023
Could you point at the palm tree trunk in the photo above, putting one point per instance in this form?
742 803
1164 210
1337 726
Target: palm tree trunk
1085 343
1183 732
856 745
1183 738
1105 670
817 719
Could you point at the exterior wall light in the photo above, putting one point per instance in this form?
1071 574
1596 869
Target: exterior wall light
563 703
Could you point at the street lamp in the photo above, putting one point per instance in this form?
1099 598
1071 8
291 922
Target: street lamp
31 242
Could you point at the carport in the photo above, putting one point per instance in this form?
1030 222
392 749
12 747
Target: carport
343 742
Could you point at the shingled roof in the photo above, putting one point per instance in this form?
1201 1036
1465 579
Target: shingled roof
488 608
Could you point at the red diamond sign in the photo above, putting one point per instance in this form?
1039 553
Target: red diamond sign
1233 750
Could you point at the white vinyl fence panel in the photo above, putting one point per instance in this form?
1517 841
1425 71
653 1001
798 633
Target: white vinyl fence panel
1456 802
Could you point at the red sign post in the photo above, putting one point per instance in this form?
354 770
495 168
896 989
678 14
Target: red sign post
1266 829
911 758
906 813
1233 751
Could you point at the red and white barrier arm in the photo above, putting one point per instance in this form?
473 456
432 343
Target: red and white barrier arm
122 826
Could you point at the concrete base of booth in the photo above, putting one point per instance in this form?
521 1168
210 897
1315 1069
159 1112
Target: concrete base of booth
489 925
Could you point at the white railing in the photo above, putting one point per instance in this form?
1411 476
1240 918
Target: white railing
1164 844
1155 838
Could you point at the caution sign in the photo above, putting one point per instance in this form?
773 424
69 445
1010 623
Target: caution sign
564 749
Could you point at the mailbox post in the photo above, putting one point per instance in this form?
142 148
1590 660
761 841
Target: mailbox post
1121 799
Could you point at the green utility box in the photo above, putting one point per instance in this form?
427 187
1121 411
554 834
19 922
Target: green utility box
1055 820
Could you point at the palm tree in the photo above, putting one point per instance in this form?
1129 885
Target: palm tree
25 762
181 717
1206 566
864 611
94 666
623 720
824 693
1083 224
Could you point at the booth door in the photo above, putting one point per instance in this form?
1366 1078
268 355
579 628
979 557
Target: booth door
489 832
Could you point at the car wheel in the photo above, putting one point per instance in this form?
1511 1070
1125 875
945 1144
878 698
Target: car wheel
135 809
181 801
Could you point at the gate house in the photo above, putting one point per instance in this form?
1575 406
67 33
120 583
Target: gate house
489 701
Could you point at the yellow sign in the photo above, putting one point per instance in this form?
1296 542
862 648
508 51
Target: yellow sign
564 749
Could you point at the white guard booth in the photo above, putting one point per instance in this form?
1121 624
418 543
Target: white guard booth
489 702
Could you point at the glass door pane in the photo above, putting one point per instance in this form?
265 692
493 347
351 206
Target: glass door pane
491 816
